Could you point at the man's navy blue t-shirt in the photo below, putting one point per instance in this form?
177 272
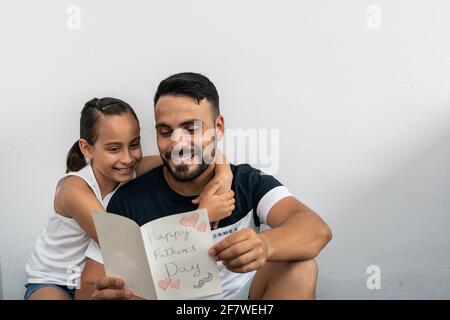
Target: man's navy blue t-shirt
149 197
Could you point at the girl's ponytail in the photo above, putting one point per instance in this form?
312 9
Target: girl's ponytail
75 159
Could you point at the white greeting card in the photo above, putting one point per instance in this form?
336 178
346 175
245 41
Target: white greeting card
166 258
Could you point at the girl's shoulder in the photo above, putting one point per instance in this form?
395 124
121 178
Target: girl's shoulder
71 190
76 182
72 183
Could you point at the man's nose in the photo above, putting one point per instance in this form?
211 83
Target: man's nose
181 138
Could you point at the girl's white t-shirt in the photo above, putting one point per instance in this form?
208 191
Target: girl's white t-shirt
59 254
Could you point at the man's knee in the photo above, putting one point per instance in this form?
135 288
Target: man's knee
307 269
305 274
286 280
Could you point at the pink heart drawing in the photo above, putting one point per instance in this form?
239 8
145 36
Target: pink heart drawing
175 284
189 221
202 227
163 284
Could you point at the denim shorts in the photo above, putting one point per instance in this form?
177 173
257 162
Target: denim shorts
32 287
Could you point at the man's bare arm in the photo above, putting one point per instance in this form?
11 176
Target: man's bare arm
95 285
297 234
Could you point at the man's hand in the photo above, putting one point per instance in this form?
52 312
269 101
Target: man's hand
243 251
109 288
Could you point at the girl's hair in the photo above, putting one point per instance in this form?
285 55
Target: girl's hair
89 123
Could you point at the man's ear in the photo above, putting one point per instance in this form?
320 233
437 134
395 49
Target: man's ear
85 148
220 127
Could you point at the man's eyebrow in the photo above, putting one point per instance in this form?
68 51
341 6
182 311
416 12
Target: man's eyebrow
162 125
190 121
182 124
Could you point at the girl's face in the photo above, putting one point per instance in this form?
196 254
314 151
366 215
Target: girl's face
117 151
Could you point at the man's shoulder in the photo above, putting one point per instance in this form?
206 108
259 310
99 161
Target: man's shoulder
243 169
248 179
244 172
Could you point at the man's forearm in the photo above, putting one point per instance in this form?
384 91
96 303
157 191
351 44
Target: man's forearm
301 237
85 291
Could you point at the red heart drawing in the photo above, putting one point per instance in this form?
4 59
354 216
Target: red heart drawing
189 221
163 284
202 227
175 284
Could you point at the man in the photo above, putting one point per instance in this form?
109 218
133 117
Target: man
274 264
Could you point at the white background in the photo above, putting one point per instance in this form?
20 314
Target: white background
363 115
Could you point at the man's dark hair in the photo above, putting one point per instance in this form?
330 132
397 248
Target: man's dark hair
194 85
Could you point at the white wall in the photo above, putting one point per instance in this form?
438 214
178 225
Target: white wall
363 115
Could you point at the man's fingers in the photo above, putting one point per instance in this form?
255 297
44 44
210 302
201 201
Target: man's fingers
109 282
254 265
235 251
111 288
112 294
242 260
215 225
235 237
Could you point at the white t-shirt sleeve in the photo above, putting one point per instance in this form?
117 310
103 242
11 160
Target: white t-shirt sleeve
93 252
269 200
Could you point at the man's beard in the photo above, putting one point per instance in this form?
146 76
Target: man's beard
181 172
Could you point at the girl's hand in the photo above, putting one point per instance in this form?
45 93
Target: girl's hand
222 172
219 205
224 176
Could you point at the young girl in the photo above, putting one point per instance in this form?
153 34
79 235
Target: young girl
110 141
